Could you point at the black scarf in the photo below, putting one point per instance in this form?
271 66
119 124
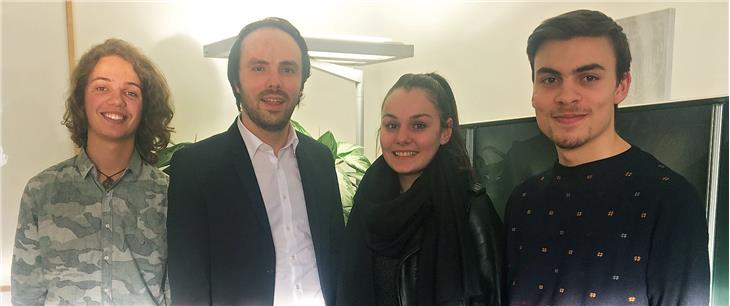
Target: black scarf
384 221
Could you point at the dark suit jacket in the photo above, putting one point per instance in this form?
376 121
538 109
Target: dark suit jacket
219 239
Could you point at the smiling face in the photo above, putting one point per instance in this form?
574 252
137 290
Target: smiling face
411 133
575 92
270 72
113 101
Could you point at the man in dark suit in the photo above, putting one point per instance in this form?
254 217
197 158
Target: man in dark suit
254 212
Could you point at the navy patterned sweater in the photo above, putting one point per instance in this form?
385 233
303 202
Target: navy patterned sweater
625 230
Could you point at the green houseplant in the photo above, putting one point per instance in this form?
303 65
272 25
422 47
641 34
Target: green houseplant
350 163
165 155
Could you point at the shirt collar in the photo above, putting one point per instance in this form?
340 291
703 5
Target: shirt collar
254 143
84 163
135 164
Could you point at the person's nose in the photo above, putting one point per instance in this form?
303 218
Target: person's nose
274 81
568 93
403 137
117 98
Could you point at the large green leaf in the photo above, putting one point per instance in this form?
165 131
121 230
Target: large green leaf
344 148
165 155
355 176
299 128
328 140
347 192
357 161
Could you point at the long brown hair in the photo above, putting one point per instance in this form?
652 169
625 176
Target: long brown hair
441 95
153 133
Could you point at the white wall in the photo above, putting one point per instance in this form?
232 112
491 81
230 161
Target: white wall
479 47
34 82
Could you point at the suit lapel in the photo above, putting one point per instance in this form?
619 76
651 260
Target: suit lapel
316 210
247 178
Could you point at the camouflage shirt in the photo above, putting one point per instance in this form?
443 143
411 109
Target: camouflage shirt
79 244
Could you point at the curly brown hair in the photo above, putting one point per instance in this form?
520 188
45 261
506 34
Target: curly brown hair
153 133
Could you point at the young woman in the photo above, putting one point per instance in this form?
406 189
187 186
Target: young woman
422 231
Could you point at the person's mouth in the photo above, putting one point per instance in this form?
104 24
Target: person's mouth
404 153
114 117
569 118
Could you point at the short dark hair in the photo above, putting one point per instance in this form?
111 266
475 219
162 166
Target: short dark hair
440 94
234 57
153 132
582 23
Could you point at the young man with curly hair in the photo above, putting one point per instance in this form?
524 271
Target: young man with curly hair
91 229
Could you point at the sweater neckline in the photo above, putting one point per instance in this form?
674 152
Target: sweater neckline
602 165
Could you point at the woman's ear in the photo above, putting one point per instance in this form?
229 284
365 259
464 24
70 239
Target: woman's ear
446 131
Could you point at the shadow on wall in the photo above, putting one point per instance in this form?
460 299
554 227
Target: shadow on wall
204 105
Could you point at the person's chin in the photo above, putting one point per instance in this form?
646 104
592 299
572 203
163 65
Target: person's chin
569 142
275 126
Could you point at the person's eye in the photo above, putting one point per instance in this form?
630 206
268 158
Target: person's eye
419 126
288 70
390 125
257 68
549 80
590 78
101 89
132 94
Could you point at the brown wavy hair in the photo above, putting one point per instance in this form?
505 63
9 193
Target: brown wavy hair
153 132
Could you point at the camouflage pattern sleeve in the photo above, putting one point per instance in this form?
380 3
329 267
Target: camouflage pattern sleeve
27 283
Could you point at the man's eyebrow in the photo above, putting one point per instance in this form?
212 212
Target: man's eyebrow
256 61
589 67
289 63
547 70
584 68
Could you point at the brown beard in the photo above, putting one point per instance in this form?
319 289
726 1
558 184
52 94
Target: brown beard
260 121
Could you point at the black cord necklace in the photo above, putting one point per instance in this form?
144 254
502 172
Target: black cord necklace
109 180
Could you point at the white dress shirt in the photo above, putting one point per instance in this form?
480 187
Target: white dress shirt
297 278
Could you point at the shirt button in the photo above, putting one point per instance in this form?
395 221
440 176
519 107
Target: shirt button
288 228
292 257
106 290
106 258
299 287
107 225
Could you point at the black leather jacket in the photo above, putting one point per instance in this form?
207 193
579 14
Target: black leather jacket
486 228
